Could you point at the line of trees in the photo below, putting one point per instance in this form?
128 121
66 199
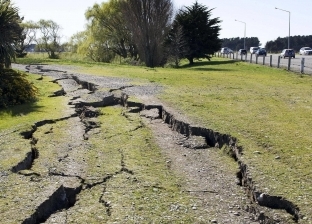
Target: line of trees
296 42
274 46
16 35
45 34
147 31
237 43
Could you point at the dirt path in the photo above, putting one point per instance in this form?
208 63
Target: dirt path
72 176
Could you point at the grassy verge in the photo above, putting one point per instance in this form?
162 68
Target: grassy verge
268 110
139 187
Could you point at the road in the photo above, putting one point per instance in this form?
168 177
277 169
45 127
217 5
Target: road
295 63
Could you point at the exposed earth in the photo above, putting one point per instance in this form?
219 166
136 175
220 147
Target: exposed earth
73 170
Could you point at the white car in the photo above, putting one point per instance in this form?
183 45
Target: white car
305 51
254 49
226 50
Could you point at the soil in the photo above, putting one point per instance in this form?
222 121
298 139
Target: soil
209 173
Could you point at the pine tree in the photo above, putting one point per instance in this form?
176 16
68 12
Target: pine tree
200 31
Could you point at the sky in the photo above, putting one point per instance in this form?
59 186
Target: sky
261 18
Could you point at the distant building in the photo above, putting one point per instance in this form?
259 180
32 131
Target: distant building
30 48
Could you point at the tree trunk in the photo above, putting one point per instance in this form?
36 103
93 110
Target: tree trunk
53 55
191 60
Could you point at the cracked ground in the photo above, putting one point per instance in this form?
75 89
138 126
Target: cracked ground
109 161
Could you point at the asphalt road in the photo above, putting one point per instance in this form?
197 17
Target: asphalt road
295 63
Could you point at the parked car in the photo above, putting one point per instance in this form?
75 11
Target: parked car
242 51
226 50
288 53
261 52
253 49
305 51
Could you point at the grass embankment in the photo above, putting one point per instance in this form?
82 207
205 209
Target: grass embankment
268 110
139 184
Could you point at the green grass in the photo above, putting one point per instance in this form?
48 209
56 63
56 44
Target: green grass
64 58
147 190
267 109
45 108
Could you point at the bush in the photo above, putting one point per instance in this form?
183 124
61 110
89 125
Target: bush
15 89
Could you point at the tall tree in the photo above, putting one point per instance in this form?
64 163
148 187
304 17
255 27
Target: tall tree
10 32
28 37
50 37
76 41
175 44
201 32
149 22
88 44
108 24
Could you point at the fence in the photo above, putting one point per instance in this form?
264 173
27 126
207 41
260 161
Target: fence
302 64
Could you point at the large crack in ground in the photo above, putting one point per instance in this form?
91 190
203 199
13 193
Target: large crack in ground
219 140
216 139
64 197
192 138
33 154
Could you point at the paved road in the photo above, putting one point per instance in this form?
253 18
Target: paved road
295 63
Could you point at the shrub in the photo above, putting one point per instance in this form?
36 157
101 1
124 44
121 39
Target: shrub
15 89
